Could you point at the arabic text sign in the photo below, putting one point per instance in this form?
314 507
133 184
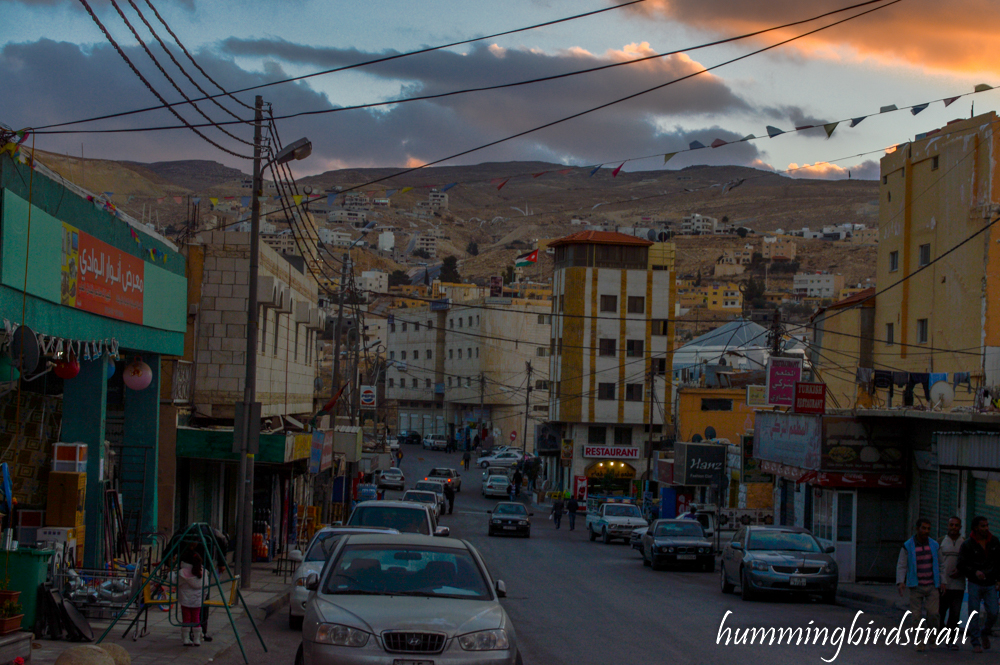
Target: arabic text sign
100 279
756 395
782 375
788 438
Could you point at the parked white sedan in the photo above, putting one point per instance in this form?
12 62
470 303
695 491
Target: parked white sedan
506 458
497 486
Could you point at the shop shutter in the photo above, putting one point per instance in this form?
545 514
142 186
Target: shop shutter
979 507
929 499
404 422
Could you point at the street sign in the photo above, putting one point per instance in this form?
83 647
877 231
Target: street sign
810 398
756 395
367 397
782 375
513 435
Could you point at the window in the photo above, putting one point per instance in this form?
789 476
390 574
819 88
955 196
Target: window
544 318
609 303
416 383
885 180
451 323
392 327
633 348
893 261
889 334
470 321
477 351
659 327
925 254
404 327
459 322
888 196
659 365
430 324
427 383
460 354
428 354
922 331
552 347
416 354
934 163
402 355
392 383
468 382
623 436
633 392
558 388
560 347
468 353
607 347
636 305
605 391
392 355
541 384
477 319
541 352
710 404
562 303
449 382
451 354
597 435
416 326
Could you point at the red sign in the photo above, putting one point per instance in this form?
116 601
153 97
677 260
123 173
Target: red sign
835 479
99 278
513 435
782 375
326 460
580 487
810 398
615 452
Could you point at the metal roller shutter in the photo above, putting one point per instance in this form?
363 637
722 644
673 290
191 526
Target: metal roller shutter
929 499
979 507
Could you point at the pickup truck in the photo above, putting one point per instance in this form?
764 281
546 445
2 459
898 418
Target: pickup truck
614 520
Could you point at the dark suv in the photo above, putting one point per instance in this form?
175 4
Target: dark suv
410 437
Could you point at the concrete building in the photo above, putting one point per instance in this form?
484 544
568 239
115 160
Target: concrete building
426 242
374 281
386 241
698 225
282 243
865 236
817 285
347 216
778 249
843 337
612 324
357 201
437 200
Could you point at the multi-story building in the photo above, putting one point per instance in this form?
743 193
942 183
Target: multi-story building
374 282
454 366
357 201
346 216
778 249
426 242
698 225
817 285
386 241
612 331
865 236
720 297
437 200
282 243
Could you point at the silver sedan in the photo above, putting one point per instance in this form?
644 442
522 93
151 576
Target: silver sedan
406 598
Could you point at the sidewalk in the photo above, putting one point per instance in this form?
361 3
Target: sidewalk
883 595
269 593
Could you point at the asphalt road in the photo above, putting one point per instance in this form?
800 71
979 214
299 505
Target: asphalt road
585 603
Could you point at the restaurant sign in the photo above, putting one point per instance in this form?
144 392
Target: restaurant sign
99 278
611 452
782 375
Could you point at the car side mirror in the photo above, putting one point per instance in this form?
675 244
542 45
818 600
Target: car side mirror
442 532
829 549
488 512
501 589
312 581
296 555
531 514
736 546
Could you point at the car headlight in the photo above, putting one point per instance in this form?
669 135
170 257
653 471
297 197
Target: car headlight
496 521
300 581
341 636
484 640
523 522
702 550
663 549
830 567
670 549
760 565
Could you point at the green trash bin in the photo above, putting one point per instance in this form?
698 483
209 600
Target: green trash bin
26 569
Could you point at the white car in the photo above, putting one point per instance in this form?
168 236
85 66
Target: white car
497 486
317 552
435 442
421 496
506 458
435 486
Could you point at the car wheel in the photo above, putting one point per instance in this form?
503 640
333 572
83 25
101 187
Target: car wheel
605 538
527 534
294 622
484 465
726 586
593 536
518 660
709 567
645 561
300 658
830 596
746 593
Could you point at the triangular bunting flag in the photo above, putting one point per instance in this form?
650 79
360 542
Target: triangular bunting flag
500 186
668 156
918 108
748 137
405 190
799 129
276 197
160 199
719 142
774 131
229 198
244 201
857 121
178 199
448 186
596 169
982 87
951 100
540 173
108 195
390 192
696 145
614 174
330 198
888 109
297 198
565 171
22 136
829 127
196 200
213 200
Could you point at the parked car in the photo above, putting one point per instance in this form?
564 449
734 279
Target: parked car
779 559
435 442
496 471
390 479
317 552
510 518
614 520
506 458
677 542
406 599
404 516
432 486
635 539
409 436
496 486
486 452
450 476
421 496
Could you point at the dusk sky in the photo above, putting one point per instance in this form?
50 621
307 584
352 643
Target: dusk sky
57 67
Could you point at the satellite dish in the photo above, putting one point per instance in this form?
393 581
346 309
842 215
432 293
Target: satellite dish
24 351
651 234
307 190
696 438
710 432
942 394
663 236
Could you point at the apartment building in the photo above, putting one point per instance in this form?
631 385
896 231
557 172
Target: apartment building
386 241
817 285
865 236
437 200
374 281
611 326
778 249
698 225
347 216
282 243
428 243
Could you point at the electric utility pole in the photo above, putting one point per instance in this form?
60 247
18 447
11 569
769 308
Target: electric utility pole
652 401
482 404
527 402
337 330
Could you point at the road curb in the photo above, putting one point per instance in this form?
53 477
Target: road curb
272 605
857 596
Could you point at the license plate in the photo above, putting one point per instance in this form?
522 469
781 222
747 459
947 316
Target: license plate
797 581
510 528
686 557
398 661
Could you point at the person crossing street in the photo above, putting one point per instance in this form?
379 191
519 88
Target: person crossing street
466 458
449 495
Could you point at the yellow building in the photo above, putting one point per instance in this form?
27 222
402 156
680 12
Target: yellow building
842 335
722 297
935 193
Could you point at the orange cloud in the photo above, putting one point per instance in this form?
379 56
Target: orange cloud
413 162
868 170
951 36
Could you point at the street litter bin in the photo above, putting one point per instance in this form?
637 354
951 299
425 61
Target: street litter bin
26 569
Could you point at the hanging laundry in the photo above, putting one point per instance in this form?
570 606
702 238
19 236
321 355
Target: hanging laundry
883 378
938 376
960 378
900 378
924 380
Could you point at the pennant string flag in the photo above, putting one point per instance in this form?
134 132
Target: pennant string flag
448 186
244 201
857 121
405 190
666 157
951 100
888 109
614 174
774 131
919 107
829 127
500 186
696 145
596 169
718 143
297 198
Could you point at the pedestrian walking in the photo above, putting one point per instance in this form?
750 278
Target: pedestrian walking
918 569
954 582
517 479
979 562
510 490
557 510
190 595
475 441
449 495
571 507
466 459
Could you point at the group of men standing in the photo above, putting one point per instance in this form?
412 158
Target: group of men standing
937 576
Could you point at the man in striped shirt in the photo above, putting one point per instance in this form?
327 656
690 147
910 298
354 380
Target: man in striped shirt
919 570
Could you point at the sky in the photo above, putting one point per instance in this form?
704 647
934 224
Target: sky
58 66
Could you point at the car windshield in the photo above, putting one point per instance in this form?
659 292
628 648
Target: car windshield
446 473
510 509
497 480
322 546
392 472
428 486
407 570
785 541
675 530
404 520
420 497
622 511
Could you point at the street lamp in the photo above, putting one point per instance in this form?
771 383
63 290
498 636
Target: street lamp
248 416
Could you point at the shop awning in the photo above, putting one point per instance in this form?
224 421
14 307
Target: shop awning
969 450
217 444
